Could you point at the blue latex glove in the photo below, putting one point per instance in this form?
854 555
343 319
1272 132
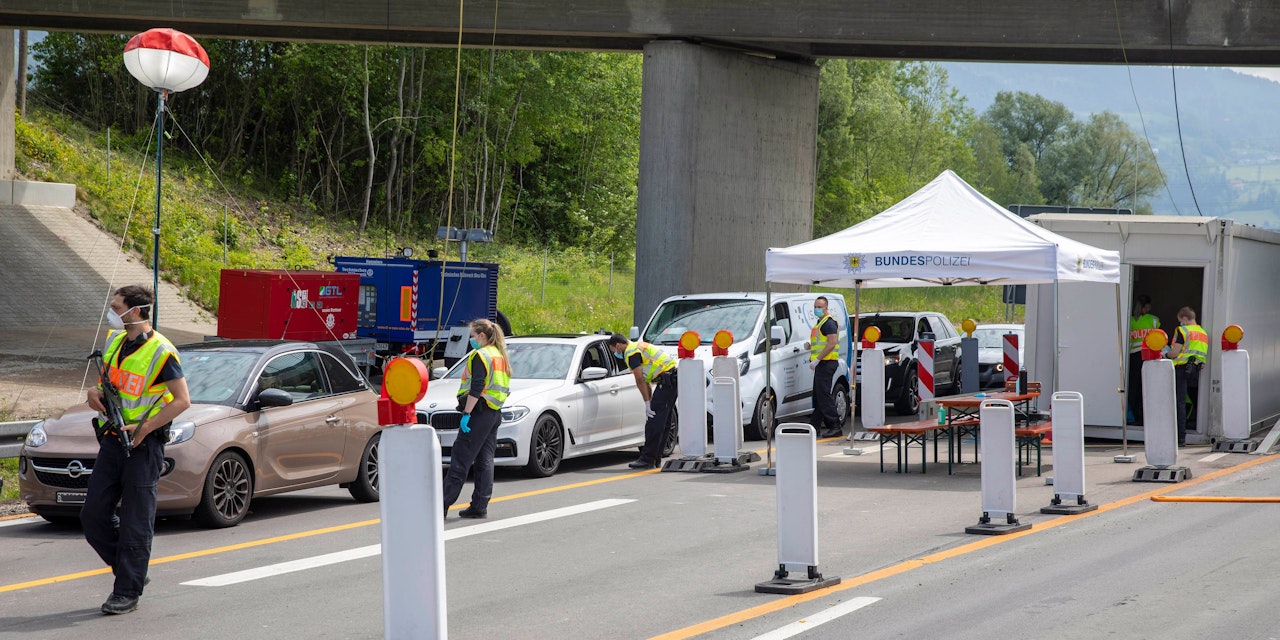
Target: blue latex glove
466 420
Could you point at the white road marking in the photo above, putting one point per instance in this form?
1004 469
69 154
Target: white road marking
797 628
17 521
373 550
1215 456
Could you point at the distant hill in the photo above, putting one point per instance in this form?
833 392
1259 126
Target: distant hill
1230 133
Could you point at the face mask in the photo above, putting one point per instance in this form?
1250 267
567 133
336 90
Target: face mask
818 313
474 344
116 322
617 355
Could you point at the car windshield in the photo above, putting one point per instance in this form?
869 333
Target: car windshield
738 316
892 328
994 338
214 377
532 360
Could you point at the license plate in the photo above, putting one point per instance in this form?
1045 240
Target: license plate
68 497
383 346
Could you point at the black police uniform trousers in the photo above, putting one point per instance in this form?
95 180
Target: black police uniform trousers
123 539
655 428
1186 379
825 418
1135 386
474 448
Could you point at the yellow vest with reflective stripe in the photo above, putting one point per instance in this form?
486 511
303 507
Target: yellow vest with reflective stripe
141 396
1139 328
817 343
654 361
497 377
1195 344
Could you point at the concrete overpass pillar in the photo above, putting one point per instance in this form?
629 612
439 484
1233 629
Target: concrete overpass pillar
728 155
8 136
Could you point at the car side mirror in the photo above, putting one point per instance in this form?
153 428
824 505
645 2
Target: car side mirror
274 398
634 334
777 336
594 373
439 372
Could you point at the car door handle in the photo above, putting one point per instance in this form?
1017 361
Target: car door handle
613 391
331 419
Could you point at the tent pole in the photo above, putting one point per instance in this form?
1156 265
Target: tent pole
1124 396
768 373
1057 348
854 339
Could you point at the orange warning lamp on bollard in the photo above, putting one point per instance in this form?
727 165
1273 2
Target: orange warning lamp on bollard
1153 343
689 342
870 337
720 344
1231 337
968 326
404 383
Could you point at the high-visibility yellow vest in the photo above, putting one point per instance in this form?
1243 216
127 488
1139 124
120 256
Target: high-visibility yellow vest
817 342
654 361
1139 328
141 396
1195 344
497 376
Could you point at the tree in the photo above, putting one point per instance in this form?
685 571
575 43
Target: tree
1030 119
1100 163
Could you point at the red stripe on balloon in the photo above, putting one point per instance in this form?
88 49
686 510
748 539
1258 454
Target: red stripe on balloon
168 40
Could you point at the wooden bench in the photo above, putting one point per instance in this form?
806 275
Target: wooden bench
1031 436
905 434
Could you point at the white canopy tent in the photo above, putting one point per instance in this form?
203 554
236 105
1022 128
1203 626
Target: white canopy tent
944 234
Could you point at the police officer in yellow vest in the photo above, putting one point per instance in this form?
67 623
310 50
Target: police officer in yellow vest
144 367
824 359
655 374
1189 352
486 381
1140 324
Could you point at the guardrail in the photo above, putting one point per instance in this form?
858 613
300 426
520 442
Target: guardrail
11 436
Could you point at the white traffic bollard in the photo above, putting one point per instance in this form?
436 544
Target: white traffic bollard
726 400
412 504
1160 425
692 407
999 494
1068 455
1236 411
797 496
870 397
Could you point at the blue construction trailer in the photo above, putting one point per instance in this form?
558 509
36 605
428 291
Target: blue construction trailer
414 306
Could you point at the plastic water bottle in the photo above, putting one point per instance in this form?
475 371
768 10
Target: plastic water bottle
942 415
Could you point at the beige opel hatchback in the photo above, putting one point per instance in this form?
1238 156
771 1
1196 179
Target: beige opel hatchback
266 417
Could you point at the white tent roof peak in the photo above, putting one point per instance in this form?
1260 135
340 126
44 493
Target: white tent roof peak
946 233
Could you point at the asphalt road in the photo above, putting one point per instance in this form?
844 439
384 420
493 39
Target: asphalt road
677 555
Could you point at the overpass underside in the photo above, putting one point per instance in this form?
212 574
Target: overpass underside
729 107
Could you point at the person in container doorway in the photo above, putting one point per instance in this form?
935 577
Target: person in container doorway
1189 351
655 374
824 359
1142 323
120 505
486 382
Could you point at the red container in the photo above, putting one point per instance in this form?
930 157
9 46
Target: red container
287 305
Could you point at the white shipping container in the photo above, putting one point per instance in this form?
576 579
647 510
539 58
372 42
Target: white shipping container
1228 272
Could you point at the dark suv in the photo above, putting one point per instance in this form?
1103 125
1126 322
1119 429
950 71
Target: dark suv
900 334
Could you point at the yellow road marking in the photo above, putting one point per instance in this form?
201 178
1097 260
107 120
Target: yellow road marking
17 516
908 565
1238 499
303 534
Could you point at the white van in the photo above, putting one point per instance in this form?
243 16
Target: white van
790 390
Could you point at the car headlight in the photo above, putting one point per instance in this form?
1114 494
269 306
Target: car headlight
892 358
999 367
36 437
514 414
744 363
181 431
